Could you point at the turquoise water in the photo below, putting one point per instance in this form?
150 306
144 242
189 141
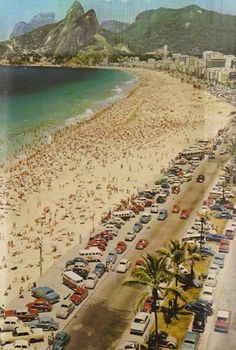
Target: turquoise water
35 102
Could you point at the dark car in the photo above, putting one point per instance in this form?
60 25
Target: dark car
165 185
137 227
145 218
201 178
199 306
60 341
164 341
214 237
218 207
223 215
207 251
100 269
199 323
161 199
82 272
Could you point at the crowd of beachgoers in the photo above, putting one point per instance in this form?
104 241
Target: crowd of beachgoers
59 193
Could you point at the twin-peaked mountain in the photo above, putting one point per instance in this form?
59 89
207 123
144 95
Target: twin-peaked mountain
187 30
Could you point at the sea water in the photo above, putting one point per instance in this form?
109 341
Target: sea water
36 101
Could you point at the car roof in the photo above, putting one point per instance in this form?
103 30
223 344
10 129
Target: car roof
208 289
124 260
21 342
223 313
191 335
11 318
21 309
141 315
45 318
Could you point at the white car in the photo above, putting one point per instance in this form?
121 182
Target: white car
130 236
154 208
214 269
18 345
10 324
208 294
118 220
123 265
65 309
140 323
211 280
132 345
91 281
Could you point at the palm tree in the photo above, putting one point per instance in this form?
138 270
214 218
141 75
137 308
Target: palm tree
193 256
175 253
153 274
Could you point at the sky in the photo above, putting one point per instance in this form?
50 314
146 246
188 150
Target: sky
13 11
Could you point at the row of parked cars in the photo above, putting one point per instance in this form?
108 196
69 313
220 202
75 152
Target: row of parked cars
203 307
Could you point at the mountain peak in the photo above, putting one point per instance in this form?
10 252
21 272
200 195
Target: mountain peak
75 11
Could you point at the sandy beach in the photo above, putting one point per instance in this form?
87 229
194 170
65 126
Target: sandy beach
58 195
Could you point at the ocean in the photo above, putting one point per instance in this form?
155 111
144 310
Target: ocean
36 101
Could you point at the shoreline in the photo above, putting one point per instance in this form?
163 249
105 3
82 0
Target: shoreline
63 190
31 149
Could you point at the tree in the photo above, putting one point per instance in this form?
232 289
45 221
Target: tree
193 256
176 254
154 275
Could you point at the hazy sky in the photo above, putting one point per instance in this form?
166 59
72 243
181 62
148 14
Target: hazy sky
13 11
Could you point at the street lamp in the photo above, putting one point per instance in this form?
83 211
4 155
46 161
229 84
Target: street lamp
39 245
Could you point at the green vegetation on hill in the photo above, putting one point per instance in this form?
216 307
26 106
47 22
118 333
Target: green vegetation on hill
188 30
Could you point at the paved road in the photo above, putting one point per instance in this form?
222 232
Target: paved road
101 322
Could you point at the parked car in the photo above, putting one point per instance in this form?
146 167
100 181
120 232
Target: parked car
23 313
199 306
201 178
214 268
141 244
121 247
145 218
214 237
123 266
224 246
79 295
130 236
217 207
207 251
229 234
44 322
100 269
219 259
41 305
199 323
18 345
161 199
112 256
140 323
176 208
60 341
10 324
224 215
164 341
154 209
222 321
65 309
132 345
46 293
191 341
22 333
162 214
91 281
211 280
137 227
208 293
